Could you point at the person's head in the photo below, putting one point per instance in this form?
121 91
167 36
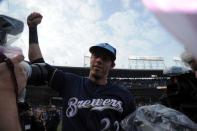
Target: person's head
30 112
189 60
102 60
52 108
37 113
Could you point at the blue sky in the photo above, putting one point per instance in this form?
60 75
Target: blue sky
69 28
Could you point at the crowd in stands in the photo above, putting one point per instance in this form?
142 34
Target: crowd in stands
39 118
140 82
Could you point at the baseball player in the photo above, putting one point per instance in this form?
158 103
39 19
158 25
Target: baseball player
89 104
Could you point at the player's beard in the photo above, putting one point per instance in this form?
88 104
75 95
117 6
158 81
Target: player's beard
97 77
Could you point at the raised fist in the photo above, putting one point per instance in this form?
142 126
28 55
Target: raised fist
34 19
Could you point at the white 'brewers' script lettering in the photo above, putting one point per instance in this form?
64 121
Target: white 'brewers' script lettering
95 104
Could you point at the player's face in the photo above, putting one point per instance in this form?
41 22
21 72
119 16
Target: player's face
100 65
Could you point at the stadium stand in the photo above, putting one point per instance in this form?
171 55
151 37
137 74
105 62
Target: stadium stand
142 83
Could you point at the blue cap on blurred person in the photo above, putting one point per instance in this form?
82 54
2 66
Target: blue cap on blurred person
105 47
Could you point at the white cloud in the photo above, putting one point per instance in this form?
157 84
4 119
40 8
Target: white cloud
126 3
69 28
3 6
65 29
123 23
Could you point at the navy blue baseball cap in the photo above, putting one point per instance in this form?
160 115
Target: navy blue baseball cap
104 47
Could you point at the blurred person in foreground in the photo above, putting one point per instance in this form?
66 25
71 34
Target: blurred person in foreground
182 89
13 74
89 104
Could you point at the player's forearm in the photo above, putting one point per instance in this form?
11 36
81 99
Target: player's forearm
34 52
34 48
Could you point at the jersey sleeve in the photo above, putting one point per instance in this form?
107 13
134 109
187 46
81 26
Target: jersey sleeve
39 60
63 82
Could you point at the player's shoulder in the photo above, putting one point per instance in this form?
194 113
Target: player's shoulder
67 74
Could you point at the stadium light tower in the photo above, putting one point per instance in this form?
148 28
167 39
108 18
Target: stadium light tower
146 62
178 62
86 62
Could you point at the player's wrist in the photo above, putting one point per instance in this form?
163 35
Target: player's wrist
32 27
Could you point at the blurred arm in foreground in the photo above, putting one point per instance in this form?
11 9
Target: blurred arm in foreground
180 19
8 106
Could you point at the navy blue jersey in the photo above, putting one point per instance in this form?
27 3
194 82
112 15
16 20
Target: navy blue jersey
91 107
